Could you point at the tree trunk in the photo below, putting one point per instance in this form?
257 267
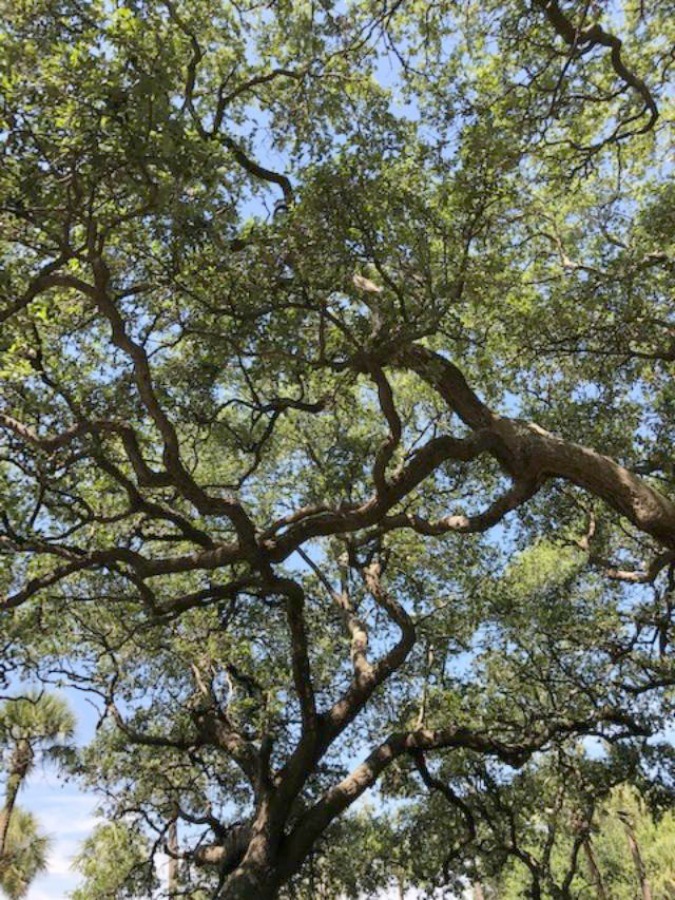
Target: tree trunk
172 848
19 765
250 883
477 891
258 875
596 876
645 889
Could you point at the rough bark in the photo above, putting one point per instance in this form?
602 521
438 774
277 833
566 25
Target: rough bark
249 884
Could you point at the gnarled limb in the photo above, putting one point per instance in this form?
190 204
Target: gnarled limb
584 38
532 455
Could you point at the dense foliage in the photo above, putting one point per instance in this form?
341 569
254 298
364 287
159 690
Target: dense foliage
337 416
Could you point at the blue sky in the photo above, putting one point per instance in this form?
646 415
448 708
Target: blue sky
67 815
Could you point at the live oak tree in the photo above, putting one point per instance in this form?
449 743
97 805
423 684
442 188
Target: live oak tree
336 406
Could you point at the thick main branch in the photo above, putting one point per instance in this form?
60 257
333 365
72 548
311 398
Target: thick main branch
532 455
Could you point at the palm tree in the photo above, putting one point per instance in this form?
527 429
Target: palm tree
36 723
25 856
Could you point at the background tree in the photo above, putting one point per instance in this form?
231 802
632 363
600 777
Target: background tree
36 724
25 855
337 409
613 857
116 863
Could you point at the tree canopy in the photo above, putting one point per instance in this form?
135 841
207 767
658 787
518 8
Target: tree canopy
337 417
